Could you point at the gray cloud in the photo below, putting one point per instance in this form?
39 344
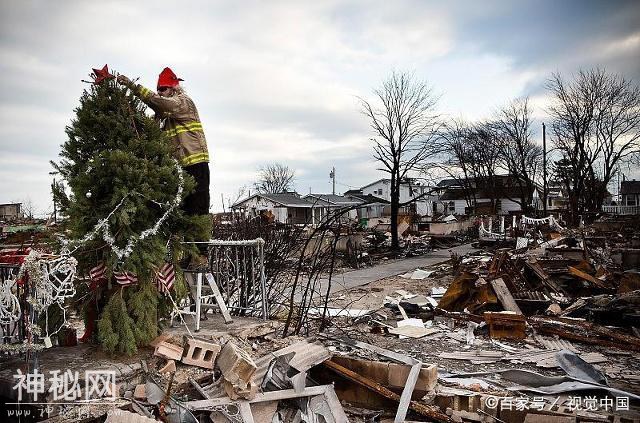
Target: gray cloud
279 80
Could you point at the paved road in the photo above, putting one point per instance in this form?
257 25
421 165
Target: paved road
360 277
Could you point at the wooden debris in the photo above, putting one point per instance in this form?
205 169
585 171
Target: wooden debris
245 412
554 309
583 331
535 267
506 325
587 277
422 409
504 296
213 403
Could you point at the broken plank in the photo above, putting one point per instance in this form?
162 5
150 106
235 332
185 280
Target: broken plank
405 398
335 406
535 267
422 409
504 296
199 388
587 277
401 358
245 411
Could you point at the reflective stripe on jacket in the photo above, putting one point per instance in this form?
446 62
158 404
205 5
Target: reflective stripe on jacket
181 123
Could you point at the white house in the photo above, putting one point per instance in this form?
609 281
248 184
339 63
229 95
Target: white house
457 198
409 190
286 207
289 207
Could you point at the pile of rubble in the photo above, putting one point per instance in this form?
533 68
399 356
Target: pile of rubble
513 334
234 386
562 302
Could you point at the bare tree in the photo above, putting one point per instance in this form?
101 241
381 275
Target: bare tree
485 152
617 128
519 154
596 124
456 158
275 178
573 112
405 125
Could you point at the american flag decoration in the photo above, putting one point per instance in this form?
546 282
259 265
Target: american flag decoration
125 278
97 275
165 277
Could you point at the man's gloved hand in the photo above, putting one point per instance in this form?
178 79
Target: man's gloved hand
123 80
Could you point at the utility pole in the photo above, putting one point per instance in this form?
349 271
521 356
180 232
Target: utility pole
55 210
332 175
55 203
544 168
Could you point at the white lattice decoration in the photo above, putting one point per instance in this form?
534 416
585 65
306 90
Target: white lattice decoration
9 304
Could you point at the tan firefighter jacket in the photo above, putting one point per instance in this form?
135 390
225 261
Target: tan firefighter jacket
181 123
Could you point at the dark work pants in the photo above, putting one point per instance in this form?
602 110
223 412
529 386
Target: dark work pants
197 202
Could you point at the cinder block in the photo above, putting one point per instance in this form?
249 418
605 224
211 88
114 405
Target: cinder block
200 353
236 365
168 351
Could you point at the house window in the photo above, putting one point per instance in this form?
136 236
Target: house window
631 200
379 192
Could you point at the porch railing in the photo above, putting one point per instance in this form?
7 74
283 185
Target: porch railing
621 210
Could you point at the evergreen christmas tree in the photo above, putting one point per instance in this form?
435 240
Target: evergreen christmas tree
123 212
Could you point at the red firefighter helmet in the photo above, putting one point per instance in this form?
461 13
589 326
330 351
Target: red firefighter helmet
168 79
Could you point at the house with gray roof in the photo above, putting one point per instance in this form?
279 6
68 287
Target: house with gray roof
284 207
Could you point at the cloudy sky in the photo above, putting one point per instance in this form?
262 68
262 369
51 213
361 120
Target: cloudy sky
279 81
